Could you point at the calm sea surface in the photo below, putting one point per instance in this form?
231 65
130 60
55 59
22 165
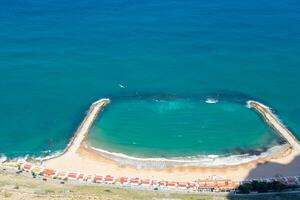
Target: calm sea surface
158 61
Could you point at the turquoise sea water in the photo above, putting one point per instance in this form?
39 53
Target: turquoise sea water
58 56
179 127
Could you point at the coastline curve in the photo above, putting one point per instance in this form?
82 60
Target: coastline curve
78 142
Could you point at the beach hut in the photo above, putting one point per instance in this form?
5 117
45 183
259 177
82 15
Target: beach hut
162 184
72 176
48 172
134 181
171 184
202 184
89 178
182 185
26 167
221 183
61 175
98 179
146 182
210 184
155 183
122 180
36 170
109 179
192 186
80 177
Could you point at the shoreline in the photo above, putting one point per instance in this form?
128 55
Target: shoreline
82 158
203 161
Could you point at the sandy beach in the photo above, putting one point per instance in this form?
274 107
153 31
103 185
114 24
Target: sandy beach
80 157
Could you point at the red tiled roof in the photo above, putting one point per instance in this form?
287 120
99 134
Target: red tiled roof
146 181
72 175
27 166
98 178
171 183
202 183
48 172
183 184
122 179
61 174
162 183
109 178
192 185
80 176
134 180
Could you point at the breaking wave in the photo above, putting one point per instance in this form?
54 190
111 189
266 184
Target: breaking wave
211 101
201 160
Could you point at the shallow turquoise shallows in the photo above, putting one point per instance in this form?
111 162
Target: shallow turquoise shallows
58 56
179 127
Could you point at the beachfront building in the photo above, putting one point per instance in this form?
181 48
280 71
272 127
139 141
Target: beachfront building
122 180
183 185
162 184
212 184
134 181
36 170
98 179
72 176
61 175
193 186
49 172
88 178
26 167
155 183
146 182
171 184
80 177
207 185
109 179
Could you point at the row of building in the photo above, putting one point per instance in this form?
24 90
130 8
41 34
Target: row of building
290 180
210 184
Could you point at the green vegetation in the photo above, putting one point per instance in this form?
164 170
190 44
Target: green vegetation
262 187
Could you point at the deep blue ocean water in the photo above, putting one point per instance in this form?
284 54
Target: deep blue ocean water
58 56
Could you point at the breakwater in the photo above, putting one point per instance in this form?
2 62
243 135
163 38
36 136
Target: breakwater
272 120
83 130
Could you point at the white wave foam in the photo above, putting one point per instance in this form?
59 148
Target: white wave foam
210 160
213 156
51 155
121 86
19 158
3 158
211 101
